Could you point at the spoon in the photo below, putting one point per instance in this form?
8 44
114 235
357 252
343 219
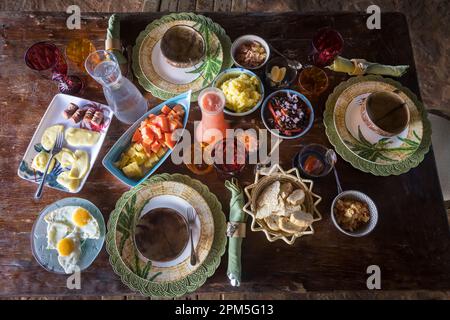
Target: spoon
331 158
294 64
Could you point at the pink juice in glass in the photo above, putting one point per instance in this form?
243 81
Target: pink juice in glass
213 126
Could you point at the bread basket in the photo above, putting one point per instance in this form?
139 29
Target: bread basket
266 176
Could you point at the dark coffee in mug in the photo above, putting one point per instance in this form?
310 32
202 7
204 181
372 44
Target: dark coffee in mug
387 111
161 234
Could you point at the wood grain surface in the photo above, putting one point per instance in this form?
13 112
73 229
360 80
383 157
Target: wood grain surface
410 243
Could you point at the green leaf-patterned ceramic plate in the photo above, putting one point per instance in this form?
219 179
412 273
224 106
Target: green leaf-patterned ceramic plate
217 58
174 280
386 156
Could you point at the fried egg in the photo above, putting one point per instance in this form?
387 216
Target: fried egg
69 251
86 223
65 220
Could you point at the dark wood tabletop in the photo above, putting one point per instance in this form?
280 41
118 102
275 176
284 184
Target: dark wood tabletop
410 243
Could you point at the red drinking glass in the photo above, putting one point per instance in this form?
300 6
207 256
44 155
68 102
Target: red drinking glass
229 156
48 60
327 44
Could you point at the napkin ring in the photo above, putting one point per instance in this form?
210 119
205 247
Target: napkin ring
236 229
360 66
113 44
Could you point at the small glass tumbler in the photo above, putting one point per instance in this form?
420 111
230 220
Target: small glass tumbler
229 157
48 60
326 45
312 81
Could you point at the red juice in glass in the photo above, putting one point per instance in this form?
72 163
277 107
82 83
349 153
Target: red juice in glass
213 126
327 44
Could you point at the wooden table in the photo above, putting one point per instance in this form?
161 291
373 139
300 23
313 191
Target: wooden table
410 243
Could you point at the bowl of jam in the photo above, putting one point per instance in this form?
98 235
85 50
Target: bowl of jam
312 161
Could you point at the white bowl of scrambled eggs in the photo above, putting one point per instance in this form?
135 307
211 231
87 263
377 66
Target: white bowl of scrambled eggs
243 90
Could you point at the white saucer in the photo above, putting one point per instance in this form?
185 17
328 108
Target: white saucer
180 205
169 72
353 120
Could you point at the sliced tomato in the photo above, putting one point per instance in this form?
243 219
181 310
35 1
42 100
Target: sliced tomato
151 116
166 109
137 136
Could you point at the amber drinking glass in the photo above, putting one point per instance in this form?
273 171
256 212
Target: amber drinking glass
77 51
312 81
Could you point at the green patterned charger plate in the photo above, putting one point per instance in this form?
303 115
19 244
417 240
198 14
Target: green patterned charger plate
138 273
387 156
218 55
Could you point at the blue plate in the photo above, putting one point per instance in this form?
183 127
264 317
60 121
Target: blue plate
265 113
124 141
90 248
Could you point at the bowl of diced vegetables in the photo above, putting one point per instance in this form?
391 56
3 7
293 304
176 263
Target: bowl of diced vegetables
243 91
287 114
149 141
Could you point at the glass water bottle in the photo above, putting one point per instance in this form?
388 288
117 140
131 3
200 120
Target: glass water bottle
122 95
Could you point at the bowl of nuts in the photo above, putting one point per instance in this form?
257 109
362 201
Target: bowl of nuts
250 52
354 213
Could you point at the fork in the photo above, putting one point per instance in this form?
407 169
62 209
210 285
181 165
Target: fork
56 148
191 216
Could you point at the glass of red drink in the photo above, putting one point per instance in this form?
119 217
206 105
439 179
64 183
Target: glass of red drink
48 60
213 125
229 156
327 44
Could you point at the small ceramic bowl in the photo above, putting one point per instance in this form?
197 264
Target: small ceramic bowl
248 38
234 73
183 46
289 77
357 195
265 114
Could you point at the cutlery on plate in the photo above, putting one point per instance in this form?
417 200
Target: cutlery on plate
191 216
56 149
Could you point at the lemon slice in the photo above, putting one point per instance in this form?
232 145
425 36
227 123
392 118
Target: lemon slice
277 74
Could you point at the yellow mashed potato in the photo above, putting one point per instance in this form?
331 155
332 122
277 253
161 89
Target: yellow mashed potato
241 93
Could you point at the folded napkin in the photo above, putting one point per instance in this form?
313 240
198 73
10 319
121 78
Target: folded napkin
112 42
235 231
355 67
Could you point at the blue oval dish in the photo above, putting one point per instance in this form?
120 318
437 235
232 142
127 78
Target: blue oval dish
125 140
265 113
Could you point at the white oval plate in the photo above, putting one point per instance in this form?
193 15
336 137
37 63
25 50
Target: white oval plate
54 116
